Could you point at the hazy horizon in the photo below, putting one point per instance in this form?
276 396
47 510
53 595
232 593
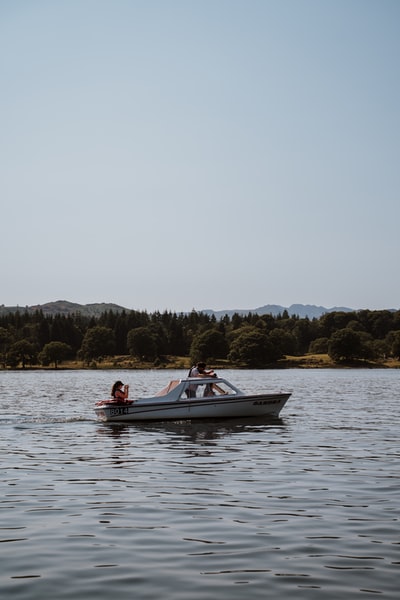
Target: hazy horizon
178 155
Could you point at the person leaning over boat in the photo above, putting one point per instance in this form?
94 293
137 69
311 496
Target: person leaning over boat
118 394
198 370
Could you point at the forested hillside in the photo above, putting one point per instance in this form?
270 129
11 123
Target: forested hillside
255 341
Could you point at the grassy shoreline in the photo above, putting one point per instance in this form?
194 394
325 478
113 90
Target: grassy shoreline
308 361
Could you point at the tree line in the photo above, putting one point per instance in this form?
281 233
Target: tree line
252 340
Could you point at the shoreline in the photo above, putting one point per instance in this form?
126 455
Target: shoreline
308 361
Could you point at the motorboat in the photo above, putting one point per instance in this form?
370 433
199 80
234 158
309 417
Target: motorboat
193 398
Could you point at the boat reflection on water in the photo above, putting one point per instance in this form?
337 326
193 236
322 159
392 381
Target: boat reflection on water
199 432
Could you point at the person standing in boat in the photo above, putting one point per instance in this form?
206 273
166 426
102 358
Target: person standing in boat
120 392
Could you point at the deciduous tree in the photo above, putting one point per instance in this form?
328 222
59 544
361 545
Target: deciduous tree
252 349
98 341
345 344
54 352
142 343
207 345
23 352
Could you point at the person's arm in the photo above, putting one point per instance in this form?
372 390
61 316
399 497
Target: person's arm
123 395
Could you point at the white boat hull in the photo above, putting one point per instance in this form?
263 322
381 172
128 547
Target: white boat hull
195 408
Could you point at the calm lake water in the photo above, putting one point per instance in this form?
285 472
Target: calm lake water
306 506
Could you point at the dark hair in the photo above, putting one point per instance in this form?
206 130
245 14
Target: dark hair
201 365
116 385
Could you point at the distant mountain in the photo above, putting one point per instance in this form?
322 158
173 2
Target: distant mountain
63 307
301 310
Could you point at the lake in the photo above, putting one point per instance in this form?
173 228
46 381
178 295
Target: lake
306 506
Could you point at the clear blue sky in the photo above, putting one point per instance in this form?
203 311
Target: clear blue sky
179 154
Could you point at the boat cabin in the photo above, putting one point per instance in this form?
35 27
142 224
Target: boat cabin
198 387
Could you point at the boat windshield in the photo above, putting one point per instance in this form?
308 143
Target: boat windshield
198 388
168 388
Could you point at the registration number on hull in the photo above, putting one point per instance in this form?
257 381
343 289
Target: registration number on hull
120 410
261 402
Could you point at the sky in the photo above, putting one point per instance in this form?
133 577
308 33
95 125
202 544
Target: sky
200 154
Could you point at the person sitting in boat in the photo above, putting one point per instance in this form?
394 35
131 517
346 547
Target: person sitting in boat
120 392
198 370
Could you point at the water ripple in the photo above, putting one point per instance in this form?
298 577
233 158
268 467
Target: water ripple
304 506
